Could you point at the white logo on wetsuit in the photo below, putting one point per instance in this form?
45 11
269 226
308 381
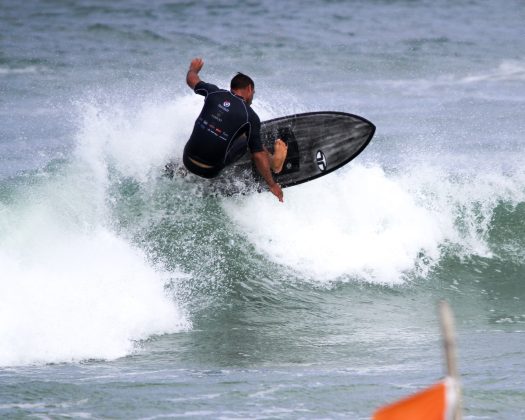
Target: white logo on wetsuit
224 106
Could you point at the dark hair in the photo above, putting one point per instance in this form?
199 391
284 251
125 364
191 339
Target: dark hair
241 81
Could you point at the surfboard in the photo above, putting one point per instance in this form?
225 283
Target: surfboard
318 144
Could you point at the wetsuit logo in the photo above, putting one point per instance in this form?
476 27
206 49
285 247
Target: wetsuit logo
320 159
225 106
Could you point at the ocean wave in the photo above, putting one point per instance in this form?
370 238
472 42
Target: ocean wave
364 223
104 236
5 71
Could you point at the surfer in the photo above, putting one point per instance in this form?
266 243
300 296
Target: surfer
226 127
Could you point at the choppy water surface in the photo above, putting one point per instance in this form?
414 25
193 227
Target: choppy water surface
128 295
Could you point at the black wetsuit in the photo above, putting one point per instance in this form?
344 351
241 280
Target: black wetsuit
226 126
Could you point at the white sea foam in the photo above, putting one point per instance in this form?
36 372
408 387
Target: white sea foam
363 223
73 296
72 288
356 223
135 142
4 71
506 71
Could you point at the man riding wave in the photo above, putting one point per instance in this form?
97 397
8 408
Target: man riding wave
226 127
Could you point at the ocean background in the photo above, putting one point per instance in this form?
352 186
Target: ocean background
124 294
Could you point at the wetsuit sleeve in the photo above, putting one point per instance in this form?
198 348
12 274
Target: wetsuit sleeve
254 142
204 89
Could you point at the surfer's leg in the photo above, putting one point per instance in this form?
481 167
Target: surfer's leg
240 146
280 149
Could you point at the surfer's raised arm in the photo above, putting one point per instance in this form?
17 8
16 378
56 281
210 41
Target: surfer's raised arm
192 78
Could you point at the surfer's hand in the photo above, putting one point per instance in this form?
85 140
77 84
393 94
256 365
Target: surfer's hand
276 190
196 65
192 77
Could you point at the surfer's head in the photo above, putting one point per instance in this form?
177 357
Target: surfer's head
243 85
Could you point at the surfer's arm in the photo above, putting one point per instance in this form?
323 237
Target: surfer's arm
263 166
192 77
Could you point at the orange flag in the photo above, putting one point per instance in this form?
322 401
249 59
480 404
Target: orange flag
435 403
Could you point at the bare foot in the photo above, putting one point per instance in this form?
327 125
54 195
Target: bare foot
280 149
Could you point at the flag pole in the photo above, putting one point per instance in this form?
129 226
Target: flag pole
449 344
